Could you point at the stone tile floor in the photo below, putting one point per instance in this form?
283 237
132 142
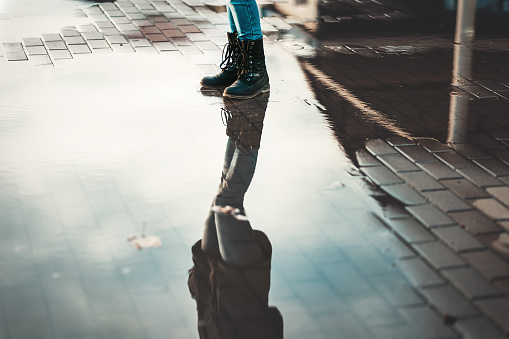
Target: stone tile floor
108 141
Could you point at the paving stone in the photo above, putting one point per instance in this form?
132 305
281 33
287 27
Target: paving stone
51 37
166 26
471 151
110 31
207 46
141 43
448 301
36 50
433 145
480 177
136 16
455 160
485 141
478 328
364 158
400 141
173 33
70 33
381 175
189 50
15 52
502 154
500 134
498 310
492 208
133 34
421 181
439 171
447 201
464 188
411 230
79 49
195 37
379 147
104 24
501 193
493 166
398 163
404 193
416 153
488 263
56 45
396 290
93 35
121 20
478 91
60 54
127 28
430 216
116 39
475 222
458 239
165 46
32 42
471 283
75 40
439 255
123 48
428 323
504 225
157 37
419 273
41 60
98 44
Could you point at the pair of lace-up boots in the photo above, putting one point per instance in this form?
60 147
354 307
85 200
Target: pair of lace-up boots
243 73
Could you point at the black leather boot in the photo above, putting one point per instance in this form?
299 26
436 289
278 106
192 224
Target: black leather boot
229 69
253 78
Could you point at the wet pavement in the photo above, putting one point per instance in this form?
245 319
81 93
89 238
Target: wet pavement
381 177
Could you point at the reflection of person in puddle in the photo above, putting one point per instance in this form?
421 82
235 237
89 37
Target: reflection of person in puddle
230 280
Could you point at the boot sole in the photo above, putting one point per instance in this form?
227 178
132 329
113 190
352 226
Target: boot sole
264 89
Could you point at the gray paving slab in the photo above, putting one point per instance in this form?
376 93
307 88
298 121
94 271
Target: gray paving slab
458 239
51 37
379 147
36 50
411 230
381 175
418 273
448 301
439 255
494 166
471 283
492 208
475 222
471 151
421 181
439 171
464 188
416 153
404 193
428 322
430 216
455 160
32 42
398 163
500 193
447 201
433 145
480 177
79 49
479 328
498 310
489 264
56 45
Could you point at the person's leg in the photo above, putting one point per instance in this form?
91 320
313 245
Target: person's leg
246 19
253 78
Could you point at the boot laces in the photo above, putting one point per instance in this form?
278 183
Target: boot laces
228 57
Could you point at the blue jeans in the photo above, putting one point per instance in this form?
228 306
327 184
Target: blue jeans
244 19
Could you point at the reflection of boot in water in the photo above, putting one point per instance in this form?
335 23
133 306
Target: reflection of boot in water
232 301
